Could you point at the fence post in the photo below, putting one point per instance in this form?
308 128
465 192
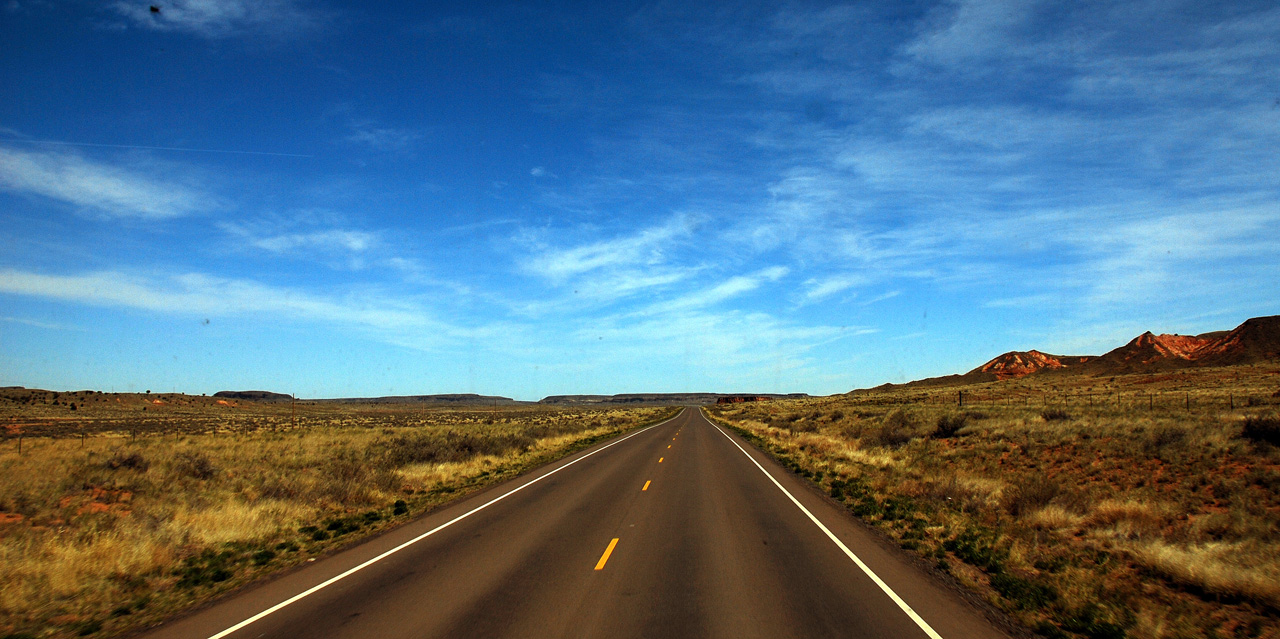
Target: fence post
960 394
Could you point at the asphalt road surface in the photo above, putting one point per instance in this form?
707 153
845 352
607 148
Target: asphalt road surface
677 530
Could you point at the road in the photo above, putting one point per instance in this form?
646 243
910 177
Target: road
677 530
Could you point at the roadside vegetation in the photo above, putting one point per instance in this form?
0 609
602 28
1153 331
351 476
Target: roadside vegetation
113 520
1143 506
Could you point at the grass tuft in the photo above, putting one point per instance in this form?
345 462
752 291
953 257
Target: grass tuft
949 425
1262 429
193 464
1055 415
132 460
1031 494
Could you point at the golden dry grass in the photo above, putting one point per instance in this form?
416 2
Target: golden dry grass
113 531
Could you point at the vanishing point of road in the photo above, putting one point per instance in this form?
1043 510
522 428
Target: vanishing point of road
676 530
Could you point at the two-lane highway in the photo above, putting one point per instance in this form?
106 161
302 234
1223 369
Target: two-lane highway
677 530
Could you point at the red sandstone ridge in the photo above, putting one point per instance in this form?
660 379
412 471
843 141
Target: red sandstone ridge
1148 348
1256 340
1019 363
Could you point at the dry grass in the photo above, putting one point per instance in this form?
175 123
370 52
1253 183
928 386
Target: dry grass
1143 505
102 534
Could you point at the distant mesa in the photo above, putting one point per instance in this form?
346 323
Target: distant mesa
452 398
1256 340
661 399
739 399
255 395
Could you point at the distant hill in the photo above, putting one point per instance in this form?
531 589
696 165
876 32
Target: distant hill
457 398
1020 363
254 395
1256 340
658 399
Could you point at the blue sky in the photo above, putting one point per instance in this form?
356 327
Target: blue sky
394 198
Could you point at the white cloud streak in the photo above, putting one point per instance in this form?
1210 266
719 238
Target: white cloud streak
200 294
39 324
106 189
388 139
324 241
646 248
817 289
730 288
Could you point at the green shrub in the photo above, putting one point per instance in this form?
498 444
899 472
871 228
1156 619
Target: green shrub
1086 621
977 549
1024 593
209 567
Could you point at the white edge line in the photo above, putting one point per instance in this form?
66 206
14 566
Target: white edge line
370 562
874 577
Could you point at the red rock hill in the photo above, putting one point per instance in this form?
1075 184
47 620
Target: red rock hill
1020 363
1256 340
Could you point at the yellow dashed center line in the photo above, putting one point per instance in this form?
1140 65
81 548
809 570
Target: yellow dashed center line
668 445
646 485
660 459
607 551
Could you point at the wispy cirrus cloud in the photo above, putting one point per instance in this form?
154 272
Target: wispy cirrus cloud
706 348
716 294
216 19
601 272
321 235
325 240
38 324
964 30
384 138
647 248
352 241
106 189
201 294
817 289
